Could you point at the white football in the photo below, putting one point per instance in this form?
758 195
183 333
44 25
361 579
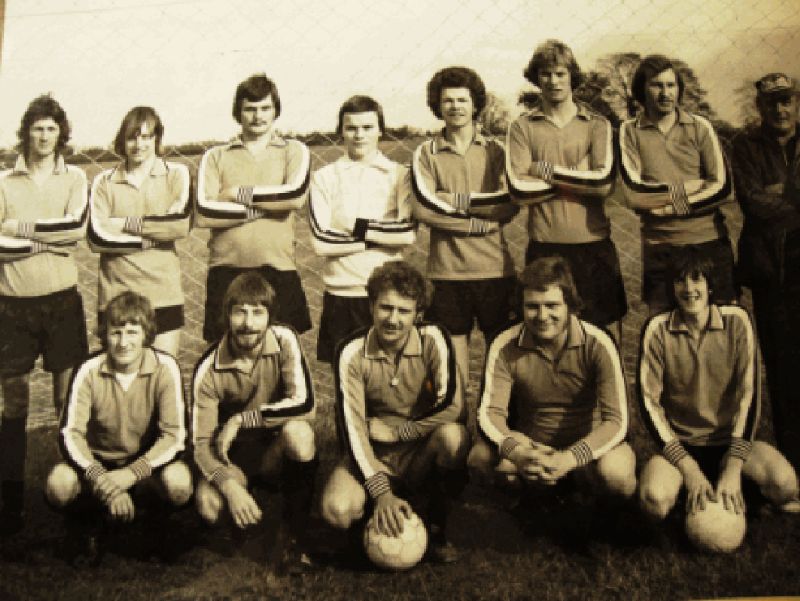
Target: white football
715 528
400 552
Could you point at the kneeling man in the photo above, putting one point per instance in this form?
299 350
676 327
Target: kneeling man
554 396
400 415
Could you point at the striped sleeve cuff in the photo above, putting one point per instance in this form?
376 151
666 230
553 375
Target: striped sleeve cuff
545 170
25 229
674 451
740 448
377 484
38 247
463 202
508 446
141 469
478 226
408 431
680 202
250 419
219 477
582 452
254 213
133 225
245 195
94 471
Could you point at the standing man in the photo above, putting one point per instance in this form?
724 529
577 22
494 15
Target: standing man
460 190
248 192
561 165
554 398
766 159
360 216
400 415
124 426
255 379
43 208
699 388
674 175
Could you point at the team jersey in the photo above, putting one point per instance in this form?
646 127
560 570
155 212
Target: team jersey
656 168
141 428
563 174
343 195
702 392
135 226
414 394
576 400
275 390
456 197
258 227
49 219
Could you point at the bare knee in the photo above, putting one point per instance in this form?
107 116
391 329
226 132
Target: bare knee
655 501
481 462
177 481
451 442
298 440
209 502
62 486
617 470
340 511
781 485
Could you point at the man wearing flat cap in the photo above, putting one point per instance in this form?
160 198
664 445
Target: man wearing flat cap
766 161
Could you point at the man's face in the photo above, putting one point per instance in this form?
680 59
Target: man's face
257 116
692 294
247 325
779 112
457 107
125 346
43 138
360 132
393 316
555 82
140 146
661 94
545 313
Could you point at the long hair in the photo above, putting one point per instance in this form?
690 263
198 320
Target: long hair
132 124
43 107
548 54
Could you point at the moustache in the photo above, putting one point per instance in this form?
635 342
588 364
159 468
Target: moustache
245 332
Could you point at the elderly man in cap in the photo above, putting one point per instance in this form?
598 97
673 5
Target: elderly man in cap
766 164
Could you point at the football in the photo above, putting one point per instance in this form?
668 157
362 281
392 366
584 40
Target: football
397 553
715 528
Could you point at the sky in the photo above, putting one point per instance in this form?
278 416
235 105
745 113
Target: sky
99 58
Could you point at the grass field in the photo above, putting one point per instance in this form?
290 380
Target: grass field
558 554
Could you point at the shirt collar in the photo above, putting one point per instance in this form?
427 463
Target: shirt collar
225 358
21 166
677 323
575 336
120 173
644 122
147 366
373 350
583 113
274 140
441 143
378 160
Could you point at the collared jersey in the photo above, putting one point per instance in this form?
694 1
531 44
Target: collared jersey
142 427
576 400
653 163
702 392
569 209
276 388
51 216
259 230
458 249
141 257
377 190
414 393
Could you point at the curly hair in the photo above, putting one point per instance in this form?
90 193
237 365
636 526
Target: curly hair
550 53
361 104
544 272
456 77
649 67
128 307
401 277
248 288
132 124
254 88
43 107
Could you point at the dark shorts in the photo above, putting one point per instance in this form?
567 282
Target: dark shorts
167 318
290 300
53 325
710 461
657 260
457 304
250 449
597 274
341 315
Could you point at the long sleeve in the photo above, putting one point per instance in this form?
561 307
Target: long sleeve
69 228
213 213
598 179
205 405
326 240
288 196
612 399
746 384
402 231
526 189
174 225
75 419
352 416
493 407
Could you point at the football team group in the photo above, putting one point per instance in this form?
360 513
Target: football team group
553 406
